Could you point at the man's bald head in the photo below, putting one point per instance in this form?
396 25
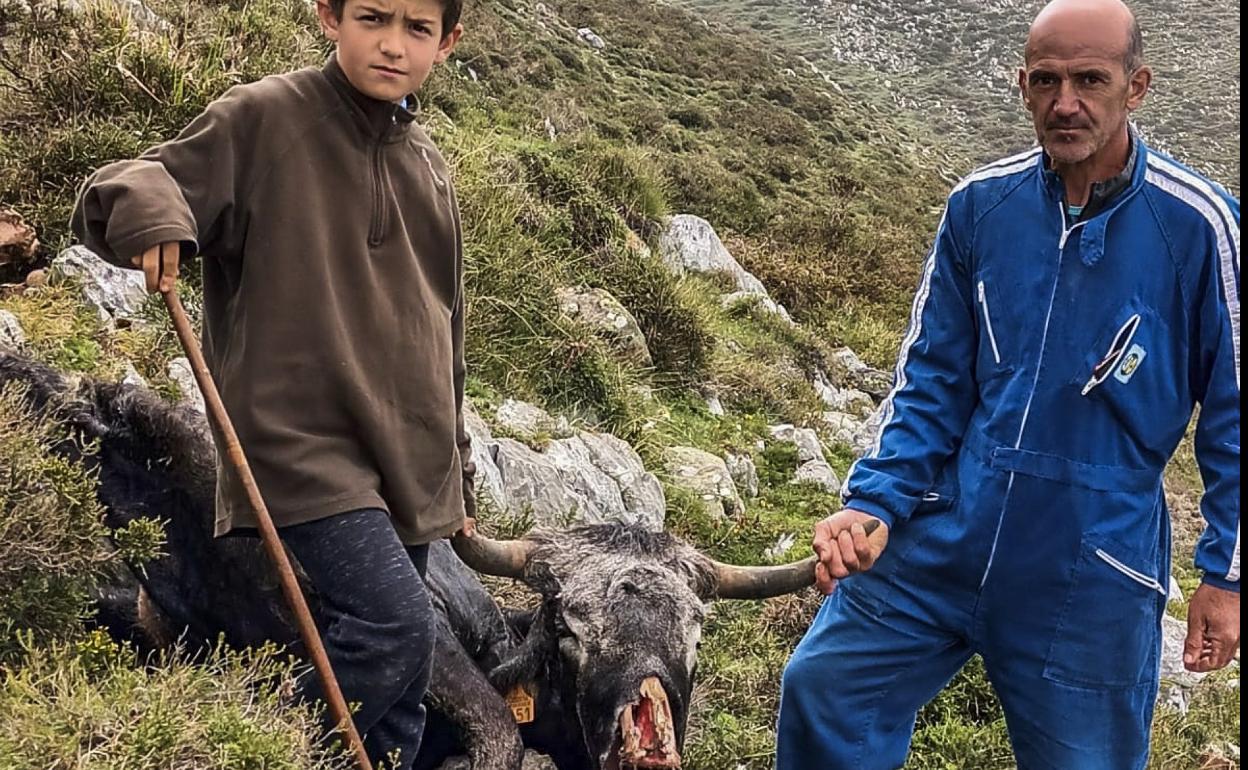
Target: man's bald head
1072 20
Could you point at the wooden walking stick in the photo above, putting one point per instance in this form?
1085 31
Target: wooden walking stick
268 533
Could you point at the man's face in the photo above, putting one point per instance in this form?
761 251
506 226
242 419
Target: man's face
388 47
1077 89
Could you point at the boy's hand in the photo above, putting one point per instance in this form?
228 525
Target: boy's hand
160 266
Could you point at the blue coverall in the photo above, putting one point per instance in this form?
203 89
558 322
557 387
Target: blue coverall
1048 373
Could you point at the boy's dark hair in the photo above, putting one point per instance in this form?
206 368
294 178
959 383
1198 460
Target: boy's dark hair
451 10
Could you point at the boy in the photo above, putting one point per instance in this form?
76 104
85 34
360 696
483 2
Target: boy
333 325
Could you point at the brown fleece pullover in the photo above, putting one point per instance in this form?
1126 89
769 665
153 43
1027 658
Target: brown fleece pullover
333 294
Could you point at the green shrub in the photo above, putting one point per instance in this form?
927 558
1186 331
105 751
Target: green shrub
89 705
53 545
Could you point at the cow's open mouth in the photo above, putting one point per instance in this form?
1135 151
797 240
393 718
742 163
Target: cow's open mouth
647 735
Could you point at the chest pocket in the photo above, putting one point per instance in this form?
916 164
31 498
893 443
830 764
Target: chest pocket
1136 371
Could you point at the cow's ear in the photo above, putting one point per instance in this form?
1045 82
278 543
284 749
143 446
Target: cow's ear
541 578
523 663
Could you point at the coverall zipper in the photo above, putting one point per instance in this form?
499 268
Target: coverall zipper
1035 381
992 338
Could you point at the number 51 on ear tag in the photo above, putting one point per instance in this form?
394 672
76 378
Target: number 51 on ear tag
521 704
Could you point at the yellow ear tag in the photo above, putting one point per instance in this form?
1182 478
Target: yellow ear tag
521 704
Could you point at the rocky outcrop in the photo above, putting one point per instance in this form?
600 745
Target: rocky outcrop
706 476
604 314
858 375
527 421
591 38
806 440
744 473
811 466
584 477
818 472
690 245
183 376
113 292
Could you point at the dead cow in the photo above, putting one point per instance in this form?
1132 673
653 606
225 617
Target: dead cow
607 657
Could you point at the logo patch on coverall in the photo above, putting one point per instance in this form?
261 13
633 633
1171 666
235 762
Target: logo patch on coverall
1130 364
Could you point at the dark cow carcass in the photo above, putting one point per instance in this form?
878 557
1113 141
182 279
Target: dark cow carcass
608 654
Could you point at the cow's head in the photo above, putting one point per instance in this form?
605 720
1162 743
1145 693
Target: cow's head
617 631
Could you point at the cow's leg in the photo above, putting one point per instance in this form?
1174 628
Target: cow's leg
460 691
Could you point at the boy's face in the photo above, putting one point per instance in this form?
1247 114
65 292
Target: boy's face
388 47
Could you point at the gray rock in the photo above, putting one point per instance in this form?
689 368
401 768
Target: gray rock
11 333
533 484
864 440
644 502
848 400
591 38
707 476
1177 682
488 483
181 373
133 378
598 496
526 420
1175 593
853 401
858 374
744 473
690 245
113 292
843 428
807 441
714 406
820 473
826 391
591 478
604 314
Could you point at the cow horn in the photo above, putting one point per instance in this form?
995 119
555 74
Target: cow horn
736 582
502 558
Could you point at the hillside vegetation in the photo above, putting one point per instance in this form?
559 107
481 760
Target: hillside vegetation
953 66
568 159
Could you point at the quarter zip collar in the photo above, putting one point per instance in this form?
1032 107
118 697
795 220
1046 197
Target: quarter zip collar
1120 189
379 120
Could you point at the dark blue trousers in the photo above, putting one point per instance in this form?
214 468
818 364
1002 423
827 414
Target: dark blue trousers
377 624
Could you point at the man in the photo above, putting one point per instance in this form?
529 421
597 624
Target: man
1079 300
